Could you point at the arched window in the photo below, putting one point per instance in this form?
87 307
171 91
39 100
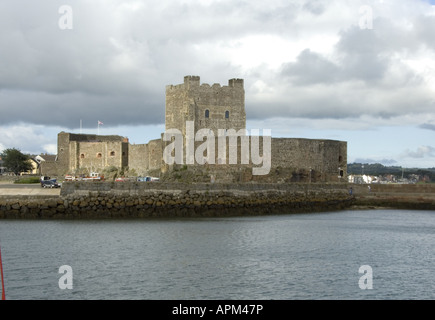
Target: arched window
207 113
99 155
227 114
82 156
340 159
112 153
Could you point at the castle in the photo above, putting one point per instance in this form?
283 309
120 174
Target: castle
195 107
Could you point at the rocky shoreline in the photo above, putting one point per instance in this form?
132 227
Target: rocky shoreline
105 200
176 201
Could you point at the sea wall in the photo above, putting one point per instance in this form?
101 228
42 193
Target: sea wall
398 196
137 200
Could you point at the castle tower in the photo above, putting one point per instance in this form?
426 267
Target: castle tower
211 107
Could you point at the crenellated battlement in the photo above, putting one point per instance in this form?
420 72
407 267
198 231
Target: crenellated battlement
235 83
194 82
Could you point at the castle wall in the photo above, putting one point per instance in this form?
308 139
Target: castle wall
138 158
98 155
225 105
292 160
63 152
179 106
49 168
91 152
320 159
155 154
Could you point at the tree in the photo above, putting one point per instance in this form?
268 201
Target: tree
15 161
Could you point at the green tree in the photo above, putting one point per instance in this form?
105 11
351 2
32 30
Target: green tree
15 161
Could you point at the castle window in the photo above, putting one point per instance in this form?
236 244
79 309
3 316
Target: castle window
99 155
207 113
340 159
227 114
123 153
112 153
82 156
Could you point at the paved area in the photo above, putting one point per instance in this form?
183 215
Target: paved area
10 189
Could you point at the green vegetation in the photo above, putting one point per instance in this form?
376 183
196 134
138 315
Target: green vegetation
28 180
15 161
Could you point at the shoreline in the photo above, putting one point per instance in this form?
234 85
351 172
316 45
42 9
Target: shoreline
84 200
144 200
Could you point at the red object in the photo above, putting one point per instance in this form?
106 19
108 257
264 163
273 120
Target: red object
1 271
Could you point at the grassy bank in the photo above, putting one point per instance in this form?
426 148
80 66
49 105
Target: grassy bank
27 180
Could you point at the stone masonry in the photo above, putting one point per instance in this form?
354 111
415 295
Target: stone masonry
207 107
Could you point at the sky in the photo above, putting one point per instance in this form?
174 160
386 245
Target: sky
356 71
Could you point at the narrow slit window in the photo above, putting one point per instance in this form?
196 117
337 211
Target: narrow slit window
227 114
207 113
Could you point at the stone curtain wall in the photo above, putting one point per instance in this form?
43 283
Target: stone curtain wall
50 168
138 159
325 158
291 161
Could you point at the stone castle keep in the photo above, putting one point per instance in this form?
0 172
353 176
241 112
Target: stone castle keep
214 108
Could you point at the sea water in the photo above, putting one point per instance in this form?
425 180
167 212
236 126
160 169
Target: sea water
280 257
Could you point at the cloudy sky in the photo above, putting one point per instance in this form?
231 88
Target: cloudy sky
359 71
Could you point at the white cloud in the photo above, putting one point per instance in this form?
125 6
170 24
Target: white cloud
29 139
50 148
421 152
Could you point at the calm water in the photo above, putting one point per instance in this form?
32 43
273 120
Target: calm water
297 256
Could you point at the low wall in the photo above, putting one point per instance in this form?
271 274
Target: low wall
137 200
399 196
86 187
364 189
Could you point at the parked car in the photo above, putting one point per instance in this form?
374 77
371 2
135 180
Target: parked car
49 184
147 179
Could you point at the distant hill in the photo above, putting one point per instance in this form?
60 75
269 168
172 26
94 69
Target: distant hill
377 169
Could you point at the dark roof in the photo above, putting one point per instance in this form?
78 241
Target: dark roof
48 157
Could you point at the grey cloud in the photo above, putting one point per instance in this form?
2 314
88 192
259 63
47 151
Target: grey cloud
118 65
427 126
316 7
360 58
111 64
66 110
311 68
